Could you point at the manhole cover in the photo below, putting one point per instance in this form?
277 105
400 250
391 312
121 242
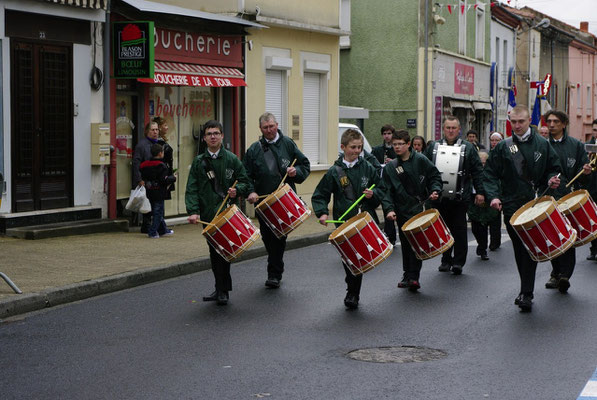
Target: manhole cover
401 354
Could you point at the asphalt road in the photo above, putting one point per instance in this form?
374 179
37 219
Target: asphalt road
161 342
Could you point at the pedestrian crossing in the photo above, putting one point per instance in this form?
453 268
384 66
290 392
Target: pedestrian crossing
590 390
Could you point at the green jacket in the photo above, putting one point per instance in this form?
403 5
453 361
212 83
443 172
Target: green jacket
285 151
200 197
573 156
425 179
483 214
592 186
381 152
472 170
361 176
502 181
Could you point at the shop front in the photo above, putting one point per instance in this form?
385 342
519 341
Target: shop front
197 77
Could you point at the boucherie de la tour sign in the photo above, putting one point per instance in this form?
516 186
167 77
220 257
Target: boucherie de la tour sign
133 44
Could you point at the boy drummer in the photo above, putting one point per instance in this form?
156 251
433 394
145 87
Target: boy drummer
409 180
350 176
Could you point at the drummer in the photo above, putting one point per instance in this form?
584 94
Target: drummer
267 161
409 180
211 177
573 159
350 176
593 192
516 168
453 211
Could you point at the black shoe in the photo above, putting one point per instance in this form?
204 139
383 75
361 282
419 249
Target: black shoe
524 302
273 283
484 257
211 297
351 301
444 267
493 247
563 285
222 298
592 257
403 284
413 285
552 283
456 269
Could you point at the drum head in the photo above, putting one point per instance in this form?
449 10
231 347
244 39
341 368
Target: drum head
273 197
352 226
220 219
533 211
421 220
572 201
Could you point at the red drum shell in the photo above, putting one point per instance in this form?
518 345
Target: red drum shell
283 211
231 233
361 244
547 235
427 234
581 211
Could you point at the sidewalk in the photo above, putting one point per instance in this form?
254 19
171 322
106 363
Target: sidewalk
61 270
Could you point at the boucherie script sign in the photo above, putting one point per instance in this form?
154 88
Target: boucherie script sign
195 48
133 49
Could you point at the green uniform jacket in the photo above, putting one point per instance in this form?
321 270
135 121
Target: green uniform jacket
573 156
381 152
200 198
285 151
592 185
501 180
472 169
361 176
422 173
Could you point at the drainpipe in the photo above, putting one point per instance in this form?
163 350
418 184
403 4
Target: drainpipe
426 65
552 92
107 109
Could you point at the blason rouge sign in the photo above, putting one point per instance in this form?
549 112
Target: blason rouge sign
133 49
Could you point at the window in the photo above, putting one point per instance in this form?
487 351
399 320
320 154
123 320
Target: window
578 99
480 32
315 70
505 62
345 23
589 102
461 27
276 97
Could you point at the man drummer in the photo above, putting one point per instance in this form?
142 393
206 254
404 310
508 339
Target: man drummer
573 158
453 211
408 181
593 192
267 161
346 180
516 168
384 153
211 177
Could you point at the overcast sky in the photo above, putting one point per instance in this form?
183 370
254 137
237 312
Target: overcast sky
568 11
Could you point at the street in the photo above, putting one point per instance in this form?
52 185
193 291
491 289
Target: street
161 341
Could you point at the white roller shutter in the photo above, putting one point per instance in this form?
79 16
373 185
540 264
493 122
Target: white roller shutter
275 97
311 116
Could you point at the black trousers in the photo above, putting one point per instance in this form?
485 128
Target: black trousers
480 234
454 215
594 247
563 266
353 283
527 267
221 269
495 233
411 265
389 229
275 250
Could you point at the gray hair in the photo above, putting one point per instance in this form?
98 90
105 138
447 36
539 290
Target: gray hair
267 116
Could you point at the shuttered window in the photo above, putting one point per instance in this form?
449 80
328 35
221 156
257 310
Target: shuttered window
312 117
275 96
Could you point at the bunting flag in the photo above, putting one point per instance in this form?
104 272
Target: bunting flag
511 105
462 9
449 8
536 115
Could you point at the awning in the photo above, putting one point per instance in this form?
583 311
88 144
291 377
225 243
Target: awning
181 74
93 4
461 104
477 105
160 8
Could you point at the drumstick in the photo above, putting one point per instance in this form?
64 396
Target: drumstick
283 179
203 222
543 194
592 162
226 198
354 204
333 221
263 196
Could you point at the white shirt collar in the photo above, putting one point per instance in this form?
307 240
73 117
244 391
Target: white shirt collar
349 164
214 155
274 140
524 137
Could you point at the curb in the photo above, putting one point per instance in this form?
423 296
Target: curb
21 304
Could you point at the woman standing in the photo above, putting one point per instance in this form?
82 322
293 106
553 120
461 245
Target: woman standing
495 226
168 151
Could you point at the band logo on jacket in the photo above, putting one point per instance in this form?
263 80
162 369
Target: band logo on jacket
513 149
344 181
537 156
285 163
229 173
399 170
364 181
570 162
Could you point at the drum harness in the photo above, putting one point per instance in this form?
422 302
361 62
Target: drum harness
407 182
349 192
520 163
461 175
211 176
271 160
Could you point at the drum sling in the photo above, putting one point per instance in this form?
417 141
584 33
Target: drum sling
211 176
345 183
406 181
520 163
270 159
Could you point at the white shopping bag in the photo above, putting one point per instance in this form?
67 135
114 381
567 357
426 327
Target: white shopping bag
138 202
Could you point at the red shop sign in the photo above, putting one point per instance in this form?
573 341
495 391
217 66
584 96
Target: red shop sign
464 79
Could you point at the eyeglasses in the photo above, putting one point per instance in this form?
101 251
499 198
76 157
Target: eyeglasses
399 144
213 133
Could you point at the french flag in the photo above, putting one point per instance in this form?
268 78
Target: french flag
511 105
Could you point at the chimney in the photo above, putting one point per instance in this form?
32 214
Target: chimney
584 26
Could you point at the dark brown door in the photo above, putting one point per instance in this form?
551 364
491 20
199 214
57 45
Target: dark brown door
42 126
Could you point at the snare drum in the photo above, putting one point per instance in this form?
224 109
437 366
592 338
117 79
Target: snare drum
283 211
231 233
581 211
361 244
427 234
449 160
544 230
